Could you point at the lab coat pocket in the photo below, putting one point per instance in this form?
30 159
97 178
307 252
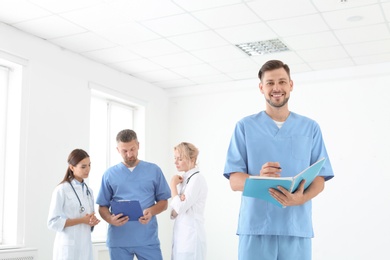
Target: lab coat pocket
65 245
65 253
186 237
65 239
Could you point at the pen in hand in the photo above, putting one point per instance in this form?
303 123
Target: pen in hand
271 169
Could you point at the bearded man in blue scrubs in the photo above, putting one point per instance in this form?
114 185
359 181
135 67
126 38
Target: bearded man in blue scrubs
133 179
276 143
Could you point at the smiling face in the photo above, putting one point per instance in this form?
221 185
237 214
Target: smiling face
276 87
81 170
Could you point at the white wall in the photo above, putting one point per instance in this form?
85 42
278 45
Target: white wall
351 105
57 120
353 109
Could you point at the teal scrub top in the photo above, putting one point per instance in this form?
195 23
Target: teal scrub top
296 145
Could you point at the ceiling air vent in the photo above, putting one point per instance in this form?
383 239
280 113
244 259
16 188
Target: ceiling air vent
262 47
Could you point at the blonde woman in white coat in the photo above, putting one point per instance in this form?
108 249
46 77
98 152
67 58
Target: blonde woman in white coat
189 193
71 212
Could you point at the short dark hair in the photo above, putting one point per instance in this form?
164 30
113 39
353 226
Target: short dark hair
126 136
273 65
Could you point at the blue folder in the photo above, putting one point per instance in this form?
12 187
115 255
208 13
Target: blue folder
130 208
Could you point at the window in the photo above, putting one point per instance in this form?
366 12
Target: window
11 160
3 119
109 115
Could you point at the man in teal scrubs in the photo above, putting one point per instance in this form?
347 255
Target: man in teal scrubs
276 142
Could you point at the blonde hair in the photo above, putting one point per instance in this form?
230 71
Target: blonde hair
187 151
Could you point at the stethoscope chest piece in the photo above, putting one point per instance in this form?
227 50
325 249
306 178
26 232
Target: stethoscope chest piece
82 208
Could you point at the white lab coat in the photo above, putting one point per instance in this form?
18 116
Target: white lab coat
189 235
71 243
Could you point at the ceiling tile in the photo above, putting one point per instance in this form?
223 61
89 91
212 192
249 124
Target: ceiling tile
286 9
97 17
299 25
359 16
139 10
175 83
289 57
50 27
235 65
154 48
175 25
363 34
299 68
57 6
10 11
111 55
368 48
332 64
371 59
204 4
227 16
331 5
198 40
386 10
176 60
158 75
220 53
323 54
83 42
247 33
196 71
311 41
211 79
242 75
134 33
137 66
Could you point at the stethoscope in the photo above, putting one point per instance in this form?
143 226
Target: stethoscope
82 208
188 180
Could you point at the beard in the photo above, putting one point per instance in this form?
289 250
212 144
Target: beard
278 105
131 162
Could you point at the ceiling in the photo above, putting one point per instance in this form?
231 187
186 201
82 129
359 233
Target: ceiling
180 43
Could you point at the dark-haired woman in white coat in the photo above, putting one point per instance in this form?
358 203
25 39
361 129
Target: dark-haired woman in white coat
71 212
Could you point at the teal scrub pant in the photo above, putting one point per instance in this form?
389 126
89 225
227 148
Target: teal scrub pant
151 252
261 247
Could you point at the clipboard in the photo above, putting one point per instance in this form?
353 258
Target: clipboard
130 208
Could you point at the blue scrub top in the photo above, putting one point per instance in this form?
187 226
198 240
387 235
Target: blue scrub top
296 145
147 184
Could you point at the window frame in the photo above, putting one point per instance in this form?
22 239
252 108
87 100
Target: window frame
113 98
13 171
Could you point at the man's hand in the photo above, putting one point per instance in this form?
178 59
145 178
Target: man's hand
287 198
271 169
146 217
118 220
